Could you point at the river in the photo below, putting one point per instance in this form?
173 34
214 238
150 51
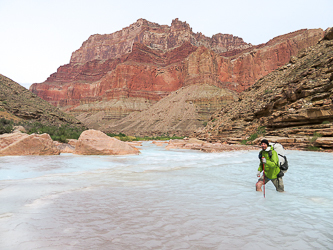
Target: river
164 199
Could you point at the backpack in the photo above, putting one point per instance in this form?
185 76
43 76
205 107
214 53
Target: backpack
283 162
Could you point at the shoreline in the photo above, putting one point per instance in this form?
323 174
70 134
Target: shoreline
196 144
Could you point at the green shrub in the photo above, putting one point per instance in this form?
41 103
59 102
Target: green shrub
260 131
314 137
325 122
60 134
116 135
244 142
124 137
312 141
312 148
6 126
158 138
252 137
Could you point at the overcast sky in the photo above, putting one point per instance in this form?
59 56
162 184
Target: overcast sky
38 36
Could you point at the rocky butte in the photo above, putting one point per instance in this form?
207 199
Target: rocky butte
294 104
113 75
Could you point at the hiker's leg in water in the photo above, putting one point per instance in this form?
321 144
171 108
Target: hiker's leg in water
278 183
260 183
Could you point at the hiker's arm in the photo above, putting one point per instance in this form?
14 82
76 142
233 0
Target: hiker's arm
260 167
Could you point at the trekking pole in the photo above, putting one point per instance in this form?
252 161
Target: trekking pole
263 167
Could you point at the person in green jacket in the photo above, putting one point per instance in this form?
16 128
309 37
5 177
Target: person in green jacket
270 159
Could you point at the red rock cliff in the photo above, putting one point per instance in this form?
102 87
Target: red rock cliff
155 36
147 60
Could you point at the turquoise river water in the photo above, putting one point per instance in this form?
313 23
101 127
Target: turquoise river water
164 199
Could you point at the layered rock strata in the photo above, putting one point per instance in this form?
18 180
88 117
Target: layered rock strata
295 102
180 113
155 36
144 62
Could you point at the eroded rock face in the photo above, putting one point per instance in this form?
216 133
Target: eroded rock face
94 142
248 66
144 62
153 35
33 144
293 102
324 142
180 113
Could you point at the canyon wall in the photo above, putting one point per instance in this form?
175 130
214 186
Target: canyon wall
143 63
292 105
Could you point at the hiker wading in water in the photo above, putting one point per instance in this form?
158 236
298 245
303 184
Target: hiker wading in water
269 157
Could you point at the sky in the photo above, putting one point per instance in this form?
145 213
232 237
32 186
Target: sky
38 36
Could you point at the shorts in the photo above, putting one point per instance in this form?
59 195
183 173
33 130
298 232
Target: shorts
278 183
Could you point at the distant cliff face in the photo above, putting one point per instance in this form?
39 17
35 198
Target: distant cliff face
294 102
154 36
245 68
147 61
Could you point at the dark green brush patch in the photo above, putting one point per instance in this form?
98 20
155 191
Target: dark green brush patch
6 126
58 133
124 137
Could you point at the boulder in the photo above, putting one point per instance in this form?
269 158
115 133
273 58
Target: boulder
95 142
7 139
34 144
18 129
72 142
160 143
66 148
134 143
173 144
57 144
